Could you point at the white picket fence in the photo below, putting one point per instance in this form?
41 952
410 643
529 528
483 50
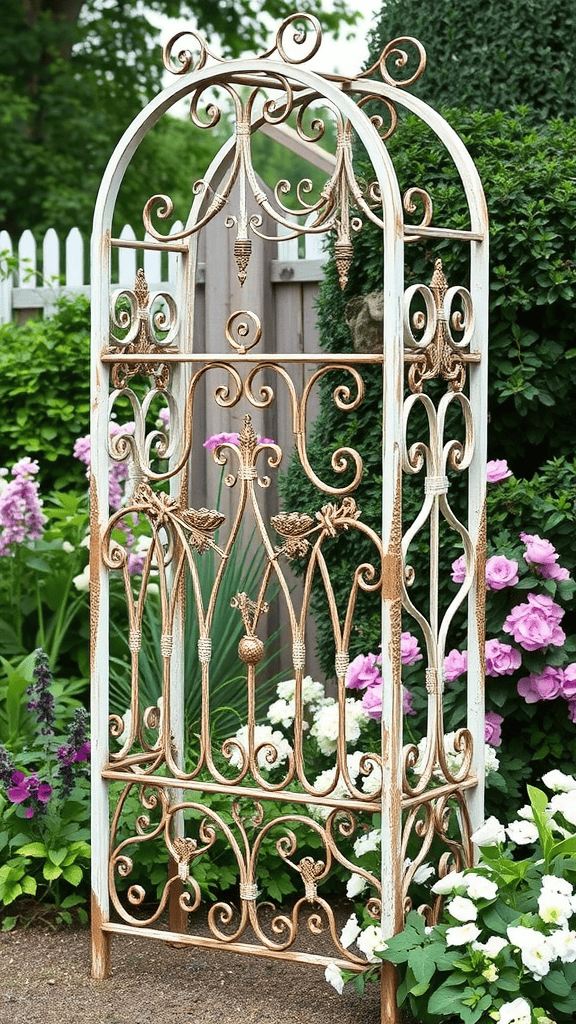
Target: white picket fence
48 269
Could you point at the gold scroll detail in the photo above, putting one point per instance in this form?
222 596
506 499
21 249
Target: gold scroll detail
144 342
162 510
438 359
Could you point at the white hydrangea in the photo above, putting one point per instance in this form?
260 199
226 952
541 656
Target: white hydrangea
262 734
340 791
326 721
368 842
558 781
370 942
281 712
312 692
522 832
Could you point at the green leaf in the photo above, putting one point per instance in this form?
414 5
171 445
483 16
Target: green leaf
33 850
57 856
73 874
556 983
29 885
51 871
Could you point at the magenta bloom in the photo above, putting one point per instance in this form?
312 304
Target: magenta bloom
407 700
214 440
542 556
501 659
363 672
501 572
83 753
20 788
455 664
534 625
21 516
265 440
459 569
546 686
410 651
569 682
492 728
497 470
372 701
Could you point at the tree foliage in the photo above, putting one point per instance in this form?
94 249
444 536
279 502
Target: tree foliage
491 55
74 73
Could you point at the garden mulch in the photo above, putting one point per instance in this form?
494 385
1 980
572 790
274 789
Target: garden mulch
45 979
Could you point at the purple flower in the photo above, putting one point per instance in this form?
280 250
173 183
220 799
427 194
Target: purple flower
20 788
492 728
41 699
363 672
546 686
542 556
569 682
372 701
7 767
501 659
214 440
74 752
534 625
21 516
501 572
497 470
459 569
455 664
164 417
26 787
407 699
83 753
409 650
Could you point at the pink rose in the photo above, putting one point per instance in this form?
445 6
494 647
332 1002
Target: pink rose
546 686
492 728
497 470
538 551
455 664
372 701
534 625
501 659
501 572
363 672
410 651
552 572
459 569
569 682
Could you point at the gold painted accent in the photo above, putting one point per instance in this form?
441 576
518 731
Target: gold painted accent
311 870
250 649
145 341
248 891
438 358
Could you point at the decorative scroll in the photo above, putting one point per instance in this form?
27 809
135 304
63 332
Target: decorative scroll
437 353
150 324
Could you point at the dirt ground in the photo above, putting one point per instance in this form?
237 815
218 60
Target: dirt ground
45 979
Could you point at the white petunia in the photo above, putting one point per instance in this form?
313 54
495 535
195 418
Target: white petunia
370 942
555 884
67 547
522 832
82 581
368 842
480 888
492 947
558 781
554 907
447 884
355 885
516 1012
491 833
462 909
534 947
462 934
565 804
563 945
350 931
334 977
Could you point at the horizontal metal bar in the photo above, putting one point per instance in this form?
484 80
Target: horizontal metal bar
232 947
254 794
320 358
465 236
134 243
438 792
411 356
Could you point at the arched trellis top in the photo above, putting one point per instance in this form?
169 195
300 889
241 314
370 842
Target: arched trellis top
440 332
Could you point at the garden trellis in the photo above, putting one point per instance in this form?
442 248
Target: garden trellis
156 783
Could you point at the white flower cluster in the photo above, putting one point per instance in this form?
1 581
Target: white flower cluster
283 711
326 720
454 759
276 749
326 779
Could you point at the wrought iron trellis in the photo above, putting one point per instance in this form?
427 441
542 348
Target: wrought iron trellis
147 360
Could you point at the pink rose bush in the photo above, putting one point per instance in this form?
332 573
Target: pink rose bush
497 470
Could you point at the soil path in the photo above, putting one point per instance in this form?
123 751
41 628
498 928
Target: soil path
45 979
